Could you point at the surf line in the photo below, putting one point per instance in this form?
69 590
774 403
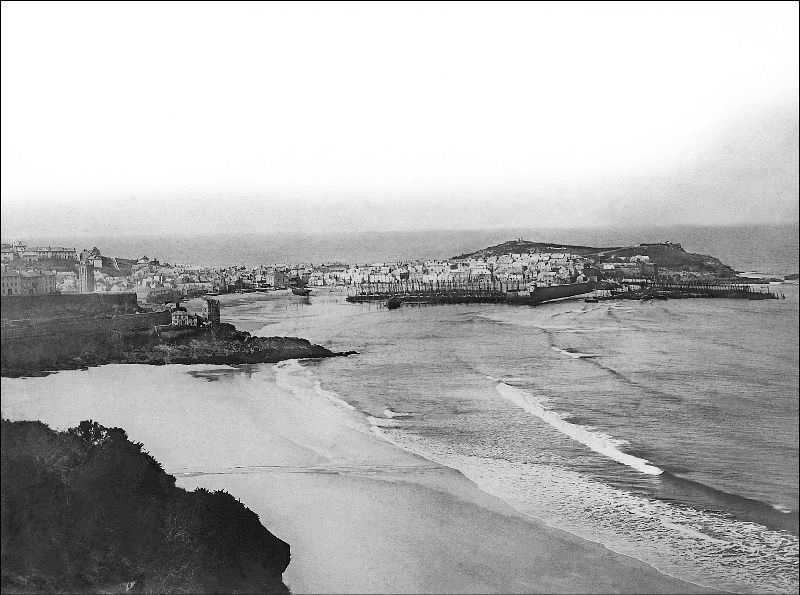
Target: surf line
598 442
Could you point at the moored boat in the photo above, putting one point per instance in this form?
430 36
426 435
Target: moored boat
301 290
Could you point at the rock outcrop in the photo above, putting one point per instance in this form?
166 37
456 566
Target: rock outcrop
29 354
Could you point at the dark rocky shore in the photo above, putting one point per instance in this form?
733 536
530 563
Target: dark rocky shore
218 344
89 511
223 344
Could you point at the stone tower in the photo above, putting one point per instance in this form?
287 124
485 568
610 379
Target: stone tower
211 311
85 274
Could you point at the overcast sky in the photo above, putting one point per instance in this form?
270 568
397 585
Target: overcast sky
183 118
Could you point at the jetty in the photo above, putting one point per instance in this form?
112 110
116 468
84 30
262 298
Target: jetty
420 292
669 289
465 292
519 293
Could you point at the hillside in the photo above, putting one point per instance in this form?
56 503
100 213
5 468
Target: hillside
89 511
669 257
520 246
68 265
672 257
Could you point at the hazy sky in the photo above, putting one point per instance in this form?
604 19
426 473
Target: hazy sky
180 118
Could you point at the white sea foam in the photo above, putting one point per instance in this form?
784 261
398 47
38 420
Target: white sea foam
286 369
573 354
380 422
705 547
597 441
689 532
599 329
331 396
782 509
389 413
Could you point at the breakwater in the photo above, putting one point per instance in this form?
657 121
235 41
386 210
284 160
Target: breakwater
665 288
493 292
486 292
489 292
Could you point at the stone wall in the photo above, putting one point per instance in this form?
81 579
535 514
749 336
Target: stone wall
33 307
554 292
49 342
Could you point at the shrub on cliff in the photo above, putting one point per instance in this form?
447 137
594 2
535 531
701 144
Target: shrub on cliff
87 510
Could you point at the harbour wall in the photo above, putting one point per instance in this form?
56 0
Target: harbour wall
53 341
55 306
555 292
466 293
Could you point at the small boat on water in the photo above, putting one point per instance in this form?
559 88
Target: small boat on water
394 303
591 300
301 290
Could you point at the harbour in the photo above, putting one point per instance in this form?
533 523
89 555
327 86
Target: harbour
496 292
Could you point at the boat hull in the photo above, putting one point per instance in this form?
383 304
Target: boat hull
552 292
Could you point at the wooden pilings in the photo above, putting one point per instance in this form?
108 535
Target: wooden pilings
448 292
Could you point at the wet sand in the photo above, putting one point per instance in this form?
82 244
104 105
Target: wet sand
360 514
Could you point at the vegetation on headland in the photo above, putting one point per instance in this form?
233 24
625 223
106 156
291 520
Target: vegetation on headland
520 246
667 256
217 344
87 510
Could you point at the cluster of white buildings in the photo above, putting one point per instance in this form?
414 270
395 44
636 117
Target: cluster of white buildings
149 275
542 268
20 251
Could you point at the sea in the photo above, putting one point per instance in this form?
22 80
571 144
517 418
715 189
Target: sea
665 430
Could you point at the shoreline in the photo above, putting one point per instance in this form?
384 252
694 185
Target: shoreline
361 514
528 517
220 344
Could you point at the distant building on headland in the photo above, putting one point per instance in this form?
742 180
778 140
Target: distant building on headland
85 273
10 252
44 253
180 317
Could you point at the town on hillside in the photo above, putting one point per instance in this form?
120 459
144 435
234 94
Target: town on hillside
59 270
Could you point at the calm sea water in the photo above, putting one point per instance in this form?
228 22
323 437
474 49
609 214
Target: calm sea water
666 430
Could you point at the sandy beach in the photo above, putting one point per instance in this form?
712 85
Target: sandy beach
360 514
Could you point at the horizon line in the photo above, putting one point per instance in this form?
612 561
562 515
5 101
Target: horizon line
408 231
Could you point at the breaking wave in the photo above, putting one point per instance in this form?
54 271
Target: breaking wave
389 413
599 442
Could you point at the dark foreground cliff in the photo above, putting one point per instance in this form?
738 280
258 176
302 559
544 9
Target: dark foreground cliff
89 511
27 353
